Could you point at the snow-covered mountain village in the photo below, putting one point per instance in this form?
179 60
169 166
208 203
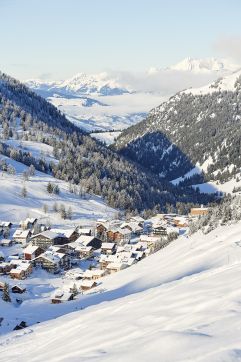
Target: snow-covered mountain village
120 181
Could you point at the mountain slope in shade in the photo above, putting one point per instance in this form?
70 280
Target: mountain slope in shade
196 127
162 309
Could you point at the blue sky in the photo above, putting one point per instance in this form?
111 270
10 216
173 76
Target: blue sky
58 38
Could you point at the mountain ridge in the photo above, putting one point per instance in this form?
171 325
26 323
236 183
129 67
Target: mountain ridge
198 124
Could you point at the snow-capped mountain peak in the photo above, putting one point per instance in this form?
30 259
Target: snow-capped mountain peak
83 84
205 65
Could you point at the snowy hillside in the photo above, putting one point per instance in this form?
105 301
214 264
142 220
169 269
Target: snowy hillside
14 207
227 83
180 304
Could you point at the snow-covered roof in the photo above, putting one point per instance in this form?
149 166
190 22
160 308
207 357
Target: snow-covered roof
48 234
53 257
87 283
65 232
27 221
133 225
147 238
109 258
108 246
85 239
5 241
62 295
30 249
84 231
19 233
5 223
88 274
98 272
84 248
137 218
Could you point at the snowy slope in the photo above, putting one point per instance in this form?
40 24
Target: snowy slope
226 83
13 207
180 304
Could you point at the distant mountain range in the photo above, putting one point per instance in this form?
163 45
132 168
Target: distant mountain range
116 100
107 84
81 84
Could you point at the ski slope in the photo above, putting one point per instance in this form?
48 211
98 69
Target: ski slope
181 304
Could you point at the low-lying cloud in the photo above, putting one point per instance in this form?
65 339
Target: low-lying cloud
230 47
166 81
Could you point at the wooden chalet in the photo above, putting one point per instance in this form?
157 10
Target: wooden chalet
18 289
31 252
22 271
84 252
115 267
120 236
48 238
159 230
137 219
108 248
22 236
28 223
6 242
133 227
84 231
87 284
152 242
5 225
92 241
52 262
5 268
199 211
70 234
61 297
107 259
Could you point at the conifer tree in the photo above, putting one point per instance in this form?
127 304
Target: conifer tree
6 296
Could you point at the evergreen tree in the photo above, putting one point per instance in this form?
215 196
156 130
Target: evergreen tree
56 189
24 191
50 188
63 212
69 213
75 290
6 295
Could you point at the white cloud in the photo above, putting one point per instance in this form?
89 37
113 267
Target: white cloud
163 81
229 46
